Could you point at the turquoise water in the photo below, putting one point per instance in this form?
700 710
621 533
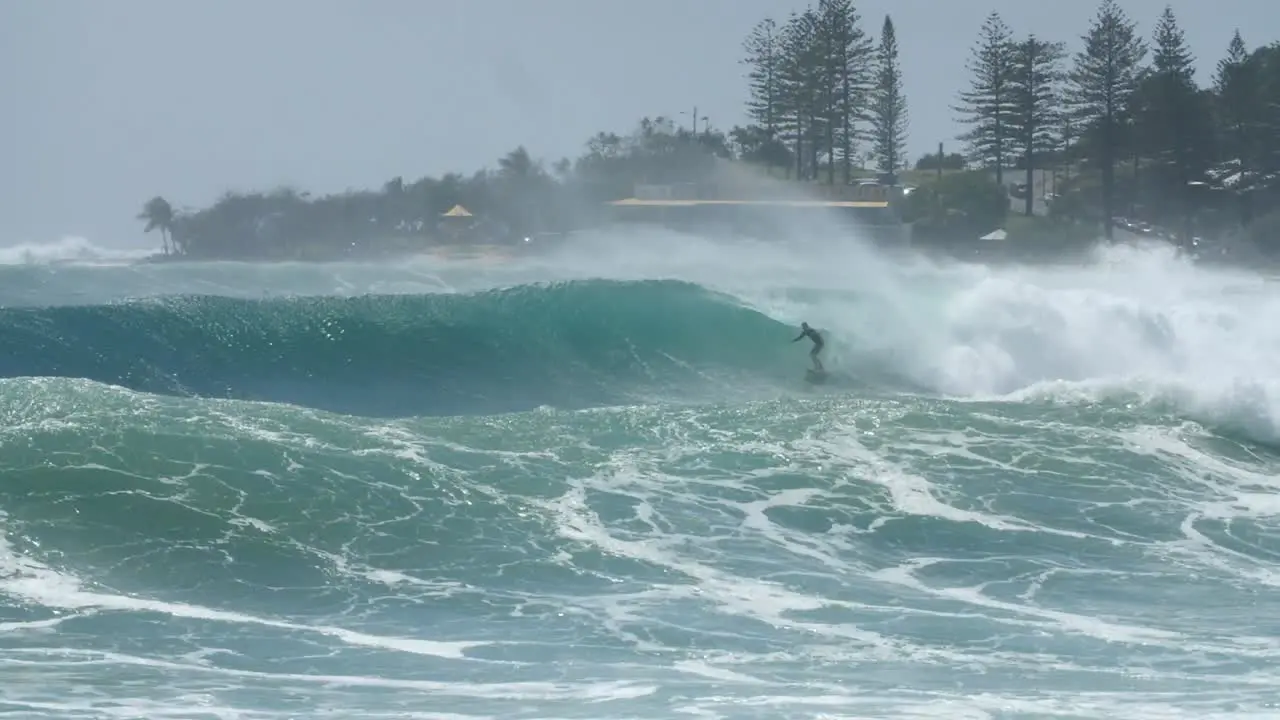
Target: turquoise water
596 486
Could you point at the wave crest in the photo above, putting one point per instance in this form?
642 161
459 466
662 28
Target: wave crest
573 344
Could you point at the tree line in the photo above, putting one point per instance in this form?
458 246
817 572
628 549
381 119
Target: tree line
520 198
1123 113
1121 122
818 87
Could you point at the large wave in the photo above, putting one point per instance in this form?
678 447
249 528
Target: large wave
662 317
573 344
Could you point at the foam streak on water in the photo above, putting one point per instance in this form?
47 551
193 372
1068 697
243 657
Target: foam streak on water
1026 493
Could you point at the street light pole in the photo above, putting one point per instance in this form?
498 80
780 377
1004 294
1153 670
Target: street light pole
695 120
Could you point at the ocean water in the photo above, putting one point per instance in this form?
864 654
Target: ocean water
595 485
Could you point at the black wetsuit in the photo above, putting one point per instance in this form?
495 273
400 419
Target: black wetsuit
817 345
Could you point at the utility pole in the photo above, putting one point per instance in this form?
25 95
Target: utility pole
694 120
939 161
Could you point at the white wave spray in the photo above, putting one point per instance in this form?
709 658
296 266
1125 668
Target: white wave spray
69 249
1134 321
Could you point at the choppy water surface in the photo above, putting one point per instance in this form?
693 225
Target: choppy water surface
599 488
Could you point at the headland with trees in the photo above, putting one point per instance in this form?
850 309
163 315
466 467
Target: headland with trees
1116 133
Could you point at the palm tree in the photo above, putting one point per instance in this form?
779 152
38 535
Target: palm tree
524 189
158 214
518 164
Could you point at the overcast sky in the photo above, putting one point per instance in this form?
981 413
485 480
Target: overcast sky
109 103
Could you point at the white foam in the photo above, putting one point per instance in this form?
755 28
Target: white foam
1131 320
30 581
70 249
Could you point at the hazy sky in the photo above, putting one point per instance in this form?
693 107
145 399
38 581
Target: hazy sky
109 103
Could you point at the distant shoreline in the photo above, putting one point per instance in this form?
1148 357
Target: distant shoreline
480 251
986 254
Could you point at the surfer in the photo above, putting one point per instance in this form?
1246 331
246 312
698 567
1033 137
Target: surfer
808 332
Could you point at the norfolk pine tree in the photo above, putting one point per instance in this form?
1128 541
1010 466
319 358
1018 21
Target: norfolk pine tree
1175 125
889 105
762 56
800 89
1268 59
827 55
985 105
1104 79
850 53
1238 86
1034 92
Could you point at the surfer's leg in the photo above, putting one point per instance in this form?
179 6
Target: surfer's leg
817 364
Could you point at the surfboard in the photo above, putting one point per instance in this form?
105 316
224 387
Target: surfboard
815 377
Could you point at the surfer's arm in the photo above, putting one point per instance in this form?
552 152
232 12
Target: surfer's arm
799 338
